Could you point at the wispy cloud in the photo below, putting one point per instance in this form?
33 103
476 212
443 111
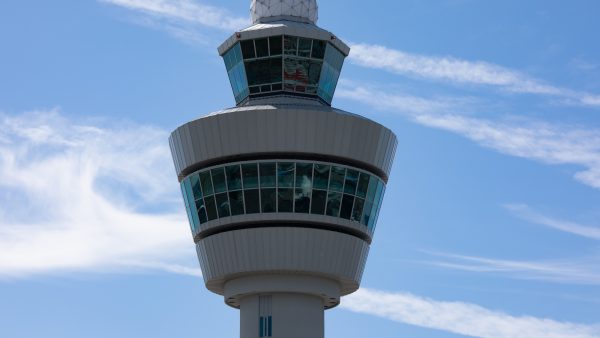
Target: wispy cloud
526 138
460 71
77 197
182 19
525 212
461 318
575 271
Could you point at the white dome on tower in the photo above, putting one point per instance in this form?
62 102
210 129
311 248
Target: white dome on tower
302 9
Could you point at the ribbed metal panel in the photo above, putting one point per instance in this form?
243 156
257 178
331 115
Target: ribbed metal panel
264 130
282 250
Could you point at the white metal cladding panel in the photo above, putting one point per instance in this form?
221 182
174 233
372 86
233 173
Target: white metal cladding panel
282 250
310 130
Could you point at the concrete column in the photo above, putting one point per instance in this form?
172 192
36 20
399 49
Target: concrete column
283 315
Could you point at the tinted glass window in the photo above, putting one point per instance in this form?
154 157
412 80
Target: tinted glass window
263 71
290 45
318 49
372 189
366 213
211 208
351 181
195 182
262 47
248 49
206 181
319 199
286 200
218 177
347 203
285 174
267 175
363 184
334 200
234 177
302 201
358 209
236 202
222 205
336 181
304 47
252 201
275 43
250 175
321 173
201 211
268 199
304 175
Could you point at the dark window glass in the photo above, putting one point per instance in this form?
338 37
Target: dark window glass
234 177
250 175
314 73
296 73
218 177
265 88
222 205
319 198
351 180
376 205
285 174
267 175
336 181
248 49
268 199
358 209
211 208
263 71
318 49
195 182
304 175
321 176
334 200
366 213
236 201
304 47
206 181
290 45
286 200
363 184
252 201
372 189
201 211
302 201
347 203
255 90
275 44
262 47
277 86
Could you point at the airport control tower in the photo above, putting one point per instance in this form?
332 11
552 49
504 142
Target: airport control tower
283 191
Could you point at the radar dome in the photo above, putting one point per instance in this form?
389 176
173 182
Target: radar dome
301 10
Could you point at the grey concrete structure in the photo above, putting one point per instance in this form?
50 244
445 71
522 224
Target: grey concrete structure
283 191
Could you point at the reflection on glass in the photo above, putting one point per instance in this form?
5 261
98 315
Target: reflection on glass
236 201
351 180
268 198
234 177
376 201
195 183
206 181
304 176
201 211
319 199
358 209
250 175
286 200
252 201
285 174
290 45
218 178
304 47
267 175
336 179
334 201
321 176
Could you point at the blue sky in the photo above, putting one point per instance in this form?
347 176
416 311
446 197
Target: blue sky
491 221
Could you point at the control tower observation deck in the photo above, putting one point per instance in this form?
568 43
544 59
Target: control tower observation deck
283 191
